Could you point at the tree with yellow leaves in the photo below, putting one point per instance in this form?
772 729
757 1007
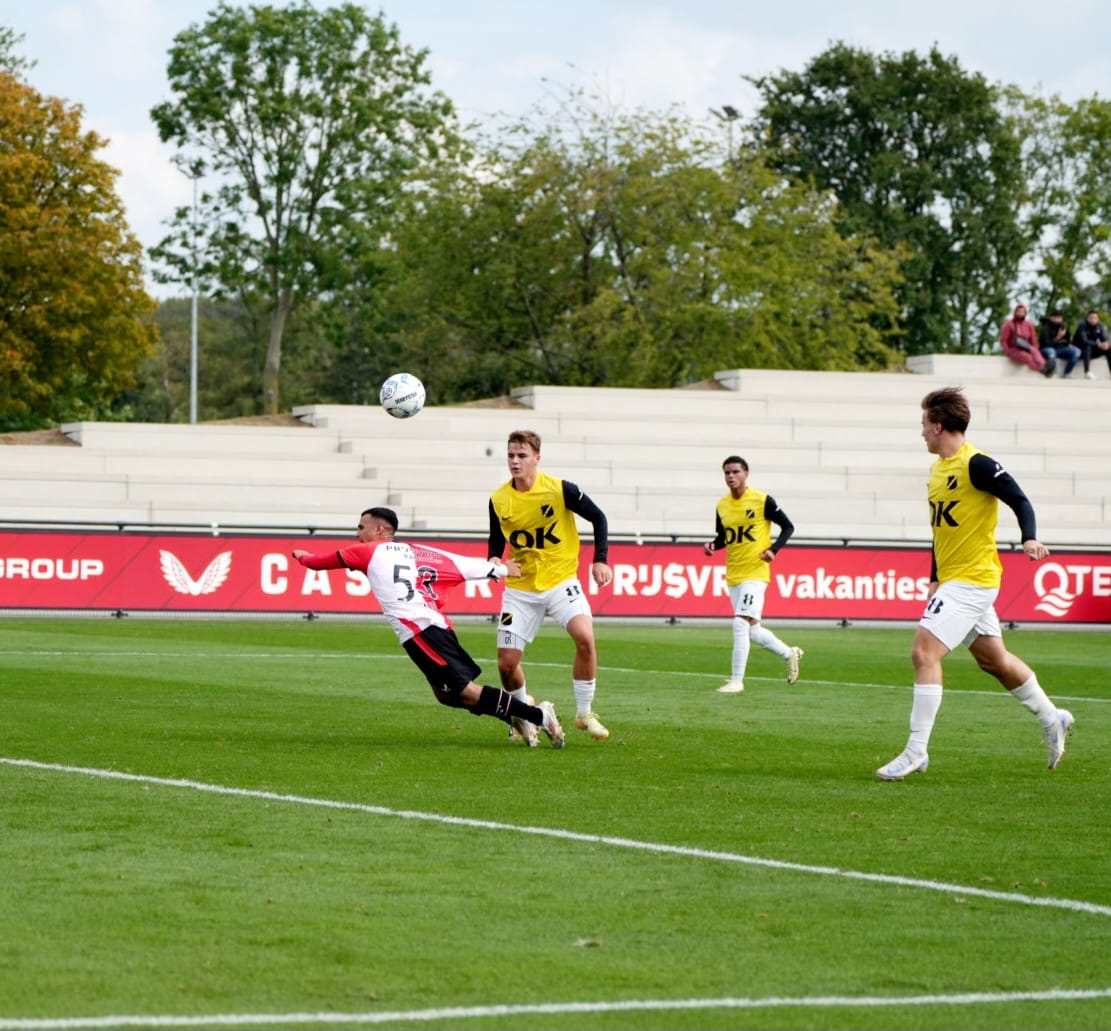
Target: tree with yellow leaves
73 306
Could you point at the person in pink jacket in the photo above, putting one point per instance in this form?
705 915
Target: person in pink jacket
1019 340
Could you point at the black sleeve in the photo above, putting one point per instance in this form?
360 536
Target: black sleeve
774 514
581 505
989 476
495 547
719 532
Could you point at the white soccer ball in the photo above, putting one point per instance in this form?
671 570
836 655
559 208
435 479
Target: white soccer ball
402 395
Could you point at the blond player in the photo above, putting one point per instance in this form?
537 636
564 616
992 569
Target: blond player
534 514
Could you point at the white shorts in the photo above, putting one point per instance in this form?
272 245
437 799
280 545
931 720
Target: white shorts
522 612
748 598
958 613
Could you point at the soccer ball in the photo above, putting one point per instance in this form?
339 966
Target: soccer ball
402 395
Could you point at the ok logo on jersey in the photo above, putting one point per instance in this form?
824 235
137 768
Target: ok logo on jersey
739 535
538 538
941 513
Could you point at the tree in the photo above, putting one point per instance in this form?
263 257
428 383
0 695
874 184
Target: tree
73 307
1068 214
917 152
308 120
628 250
10 61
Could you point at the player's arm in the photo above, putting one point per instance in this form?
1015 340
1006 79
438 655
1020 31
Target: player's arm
719 536
774 514
321 560
579 503
495 546
988 475
472 568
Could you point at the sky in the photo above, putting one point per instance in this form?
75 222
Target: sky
498 56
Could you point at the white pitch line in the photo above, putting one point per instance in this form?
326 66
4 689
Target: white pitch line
362 657
457 1013
960 890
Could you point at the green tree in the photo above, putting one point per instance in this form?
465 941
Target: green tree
73 308
627 251
1068 215
918 152
308 120
10 61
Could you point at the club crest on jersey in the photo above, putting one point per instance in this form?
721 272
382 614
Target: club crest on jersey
547 511
951 482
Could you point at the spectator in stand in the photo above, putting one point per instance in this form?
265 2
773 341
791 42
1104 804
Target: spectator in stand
1019 340
1053 339
1091 338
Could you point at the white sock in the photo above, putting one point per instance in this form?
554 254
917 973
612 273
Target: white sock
1035 700
520 693
741 647
766 639
584 696
923 712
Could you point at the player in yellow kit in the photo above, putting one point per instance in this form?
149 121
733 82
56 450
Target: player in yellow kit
743 526
535 514
964 491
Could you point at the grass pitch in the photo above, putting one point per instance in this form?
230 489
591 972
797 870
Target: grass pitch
273 824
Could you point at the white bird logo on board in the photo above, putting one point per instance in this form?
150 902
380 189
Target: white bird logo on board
176 575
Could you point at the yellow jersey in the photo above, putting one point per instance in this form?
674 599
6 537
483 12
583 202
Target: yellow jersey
963 519
745 530
541 532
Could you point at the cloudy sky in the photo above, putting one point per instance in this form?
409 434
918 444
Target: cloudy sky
497 55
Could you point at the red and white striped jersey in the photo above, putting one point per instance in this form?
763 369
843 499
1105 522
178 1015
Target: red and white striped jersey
409 581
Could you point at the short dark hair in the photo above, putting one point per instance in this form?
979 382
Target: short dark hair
735 460
386 515
949 407
528 437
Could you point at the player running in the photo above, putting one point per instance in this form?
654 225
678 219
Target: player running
743 526
964 491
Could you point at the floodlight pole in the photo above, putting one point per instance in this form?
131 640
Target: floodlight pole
728 114
196 170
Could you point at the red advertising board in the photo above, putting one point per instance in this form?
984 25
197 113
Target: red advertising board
197 573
